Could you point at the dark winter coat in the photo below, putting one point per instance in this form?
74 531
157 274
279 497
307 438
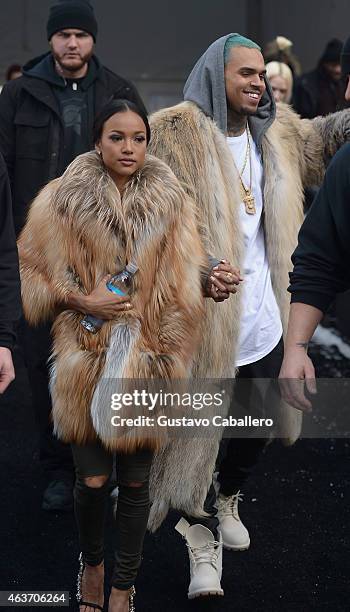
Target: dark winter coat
31 128
10 299
316 94
321 259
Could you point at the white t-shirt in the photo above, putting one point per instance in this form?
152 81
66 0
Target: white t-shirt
261 327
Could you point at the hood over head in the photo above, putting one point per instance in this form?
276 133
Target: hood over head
205 87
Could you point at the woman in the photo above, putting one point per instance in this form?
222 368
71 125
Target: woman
280 50
112 206
281 81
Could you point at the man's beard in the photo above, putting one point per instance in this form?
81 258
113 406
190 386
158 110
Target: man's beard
68 67
242 112
247 112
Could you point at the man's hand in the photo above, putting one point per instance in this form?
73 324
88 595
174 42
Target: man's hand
297 368
101 302
223 280
296 371
7 372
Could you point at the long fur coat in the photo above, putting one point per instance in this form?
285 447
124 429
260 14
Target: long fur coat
294 154
78 231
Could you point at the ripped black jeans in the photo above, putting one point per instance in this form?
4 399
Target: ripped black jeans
90 505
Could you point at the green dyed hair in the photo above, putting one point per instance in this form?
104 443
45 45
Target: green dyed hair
236 40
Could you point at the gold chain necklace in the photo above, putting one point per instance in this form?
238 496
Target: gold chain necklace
246 192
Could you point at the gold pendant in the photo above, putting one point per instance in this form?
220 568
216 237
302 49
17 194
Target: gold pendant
248 200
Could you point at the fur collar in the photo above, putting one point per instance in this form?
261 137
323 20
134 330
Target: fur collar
87 202
86 187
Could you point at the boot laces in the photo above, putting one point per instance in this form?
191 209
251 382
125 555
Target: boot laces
228 506
208 553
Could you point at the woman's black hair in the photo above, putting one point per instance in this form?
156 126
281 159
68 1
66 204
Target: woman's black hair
117 105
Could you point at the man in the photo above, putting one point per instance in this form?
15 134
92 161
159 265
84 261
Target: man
321 91
10 299
245 167
321 267
46 120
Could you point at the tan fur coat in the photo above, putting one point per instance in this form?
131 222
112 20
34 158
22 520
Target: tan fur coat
79 230
294 154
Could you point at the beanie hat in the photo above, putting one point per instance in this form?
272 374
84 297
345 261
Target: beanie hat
345 59
77 14
332 51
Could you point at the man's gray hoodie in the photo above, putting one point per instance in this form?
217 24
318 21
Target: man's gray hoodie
205 87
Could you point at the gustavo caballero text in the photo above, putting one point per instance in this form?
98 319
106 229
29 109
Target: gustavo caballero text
166 421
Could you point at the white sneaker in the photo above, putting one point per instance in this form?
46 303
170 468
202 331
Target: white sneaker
235 535
205 559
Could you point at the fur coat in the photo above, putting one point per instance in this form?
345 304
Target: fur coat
294 154
79 230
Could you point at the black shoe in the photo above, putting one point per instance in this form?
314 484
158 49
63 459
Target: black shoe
58 496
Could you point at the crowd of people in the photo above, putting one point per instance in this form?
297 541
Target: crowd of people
204 202
311 94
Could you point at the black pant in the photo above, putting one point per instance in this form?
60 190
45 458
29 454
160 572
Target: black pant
55 456
240 455
132 511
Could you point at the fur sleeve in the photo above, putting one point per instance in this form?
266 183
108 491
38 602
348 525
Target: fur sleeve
42 263
334 130
182 316
322 137
173 310
314 140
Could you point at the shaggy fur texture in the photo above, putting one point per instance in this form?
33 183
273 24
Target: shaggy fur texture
294 155
79 230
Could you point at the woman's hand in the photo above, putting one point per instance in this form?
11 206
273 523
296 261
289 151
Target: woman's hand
223 280
100 303
105 304
7 372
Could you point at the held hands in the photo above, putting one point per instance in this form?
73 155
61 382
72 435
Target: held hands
7 372
297 371
105 304
223 280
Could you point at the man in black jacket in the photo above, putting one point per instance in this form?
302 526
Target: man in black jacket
321 91
321 267
46 120
10 300
46 116
321 270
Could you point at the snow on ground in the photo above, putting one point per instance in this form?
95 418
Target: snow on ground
327 336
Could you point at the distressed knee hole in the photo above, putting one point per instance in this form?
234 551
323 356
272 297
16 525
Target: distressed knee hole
95 482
